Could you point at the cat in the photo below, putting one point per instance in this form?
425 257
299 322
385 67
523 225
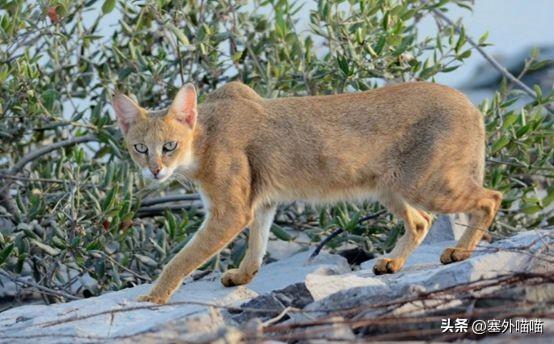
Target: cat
416 147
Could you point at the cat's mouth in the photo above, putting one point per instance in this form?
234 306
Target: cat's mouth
160 176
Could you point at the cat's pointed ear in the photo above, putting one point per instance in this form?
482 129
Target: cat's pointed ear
183 107
127 110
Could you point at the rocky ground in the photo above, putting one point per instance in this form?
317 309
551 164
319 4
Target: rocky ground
508 283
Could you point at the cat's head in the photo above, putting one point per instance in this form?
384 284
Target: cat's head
159 144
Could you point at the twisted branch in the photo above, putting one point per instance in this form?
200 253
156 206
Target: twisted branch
6 199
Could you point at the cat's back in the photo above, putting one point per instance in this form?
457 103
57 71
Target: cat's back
234 90
419 96
232 114
408 98
237 112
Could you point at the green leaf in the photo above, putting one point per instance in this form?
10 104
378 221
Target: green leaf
509 102
385 22
107 203
180 35
157 247
49 97
30 234
540 65
499 144
46 248
95 245
531 209
427 73
483 38
280 26
523 130
280 233
359 36
146 260
464 55
5 253
108 6
450 69
379 46
549 197
461 40
538 91
343 65
510 119
171 224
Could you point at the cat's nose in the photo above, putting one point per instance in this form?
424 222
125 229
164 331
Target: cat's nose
156 170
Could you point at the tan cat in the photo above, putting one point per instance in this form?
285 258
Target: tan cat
416 147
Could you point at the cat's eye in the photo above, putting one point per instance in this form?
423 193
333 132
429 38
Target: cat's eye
170 146
141 148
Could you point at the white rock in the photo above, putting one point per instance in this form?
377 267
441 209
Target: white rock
27 320
328 278
283 273
510 255
18 324
321 284
279 249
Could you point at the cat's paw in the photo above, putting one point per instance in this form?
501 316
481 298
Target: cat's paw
234 277
387 266
454 254
160 300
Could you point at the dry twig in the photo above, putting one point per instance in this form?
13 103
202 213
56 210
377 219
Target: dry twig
41 289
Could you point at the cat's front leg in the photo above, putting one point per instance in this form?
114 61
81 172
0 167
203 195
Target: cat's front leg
216 232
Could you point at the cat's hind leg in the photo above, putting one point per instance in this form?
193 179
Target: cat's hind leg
416 224
483 206
257 244
462 195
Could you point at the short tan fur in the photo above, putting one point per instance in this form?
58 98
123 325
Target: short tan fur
416 147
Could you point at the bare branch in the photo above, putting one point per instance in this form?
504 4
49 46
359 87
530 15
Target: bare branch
153 211
170 198
39 288
5 198
37 180
47 149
